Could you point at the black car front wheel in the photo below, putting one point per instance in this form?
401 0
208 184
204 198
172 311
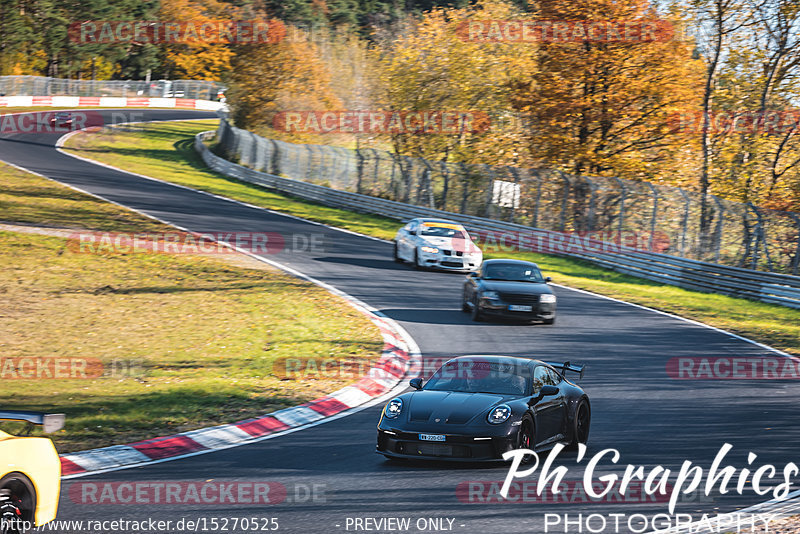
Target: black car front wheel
465 303
549 321
477 316
526 439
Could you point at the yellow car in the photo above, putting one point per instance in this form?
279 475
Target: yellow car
30 474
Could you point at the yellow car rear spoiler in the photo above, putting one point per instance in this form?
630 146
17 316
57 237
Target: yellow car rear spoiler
50 422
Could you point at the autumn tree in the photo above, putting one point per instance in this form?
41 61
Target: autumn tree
602 105
761 163
200 59
432 65
267 78
717 23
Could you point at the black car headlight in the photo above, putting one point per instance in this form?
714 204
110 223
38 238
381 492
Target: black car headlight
499 414
491 295
547 299
394 408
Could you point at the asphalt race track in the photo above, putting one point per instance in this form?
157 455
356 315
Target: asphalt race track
637 408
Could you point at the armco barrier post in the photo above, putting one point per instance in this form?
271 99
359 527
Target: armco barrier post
592 191
360 171
515 173
718 229
653 216
685 220
564 200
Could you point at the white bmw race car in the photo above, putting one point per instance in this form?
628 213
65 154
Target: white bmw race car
436 243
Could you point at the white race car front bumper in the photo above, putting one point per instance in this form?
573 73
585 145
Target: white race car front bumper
451 261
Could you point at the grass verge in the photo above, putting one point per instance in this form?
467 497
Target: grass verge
165 151
183 341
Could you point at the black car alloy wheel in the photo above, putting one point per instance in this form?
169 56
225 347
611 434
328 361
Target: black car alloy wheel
581 424
526 439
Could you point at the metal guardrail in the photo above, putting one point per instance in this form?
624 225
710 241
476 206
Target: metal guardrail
44 86
690 274
735 233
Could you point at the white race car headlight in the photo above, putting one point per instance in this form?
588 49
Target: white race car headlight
490 295
547 299
429 250
499 414
394 408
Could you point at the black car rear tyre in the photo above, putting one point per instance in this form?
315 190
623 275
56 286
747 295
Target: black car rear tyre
581 423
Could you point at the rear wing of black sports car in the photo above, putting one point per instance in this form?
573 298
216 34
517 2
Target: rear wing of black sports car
567 366
50 422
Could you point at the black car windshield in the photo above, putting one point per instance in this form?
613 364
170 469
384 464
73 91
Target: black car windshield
441 231
515 272
476 376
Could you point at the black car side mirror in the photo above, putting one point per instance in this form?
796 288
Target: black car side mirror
547 279
546 391
415 383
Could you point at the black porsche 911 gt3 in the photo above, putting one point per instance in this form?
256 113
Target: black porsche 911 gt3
475 408
514 289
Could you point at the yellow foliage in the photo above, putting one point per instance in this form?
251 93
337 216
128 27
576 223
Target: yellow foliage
200 60
604 107
432 67
267 78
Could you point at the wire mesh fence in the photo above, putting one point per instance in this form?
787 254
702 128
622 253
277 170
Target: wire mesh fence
44 86
666 218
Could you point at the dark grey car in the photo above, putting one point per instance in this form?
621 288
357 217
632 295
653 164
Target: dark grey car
512 289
